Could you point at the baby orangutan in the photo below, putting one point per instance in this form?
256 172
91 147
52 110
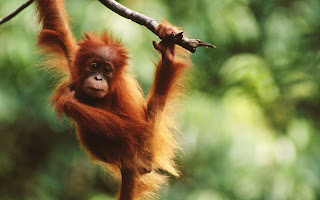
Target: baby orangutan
115 124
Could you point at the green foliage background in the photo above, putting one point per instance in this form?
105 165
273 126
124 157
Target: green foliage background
250 124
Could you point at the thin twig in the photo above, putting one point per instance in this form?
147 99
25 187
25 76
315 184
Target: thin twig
151 24
7 18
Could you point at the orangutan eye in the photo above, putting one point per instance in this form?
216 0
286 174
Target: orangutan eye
94 66
107 70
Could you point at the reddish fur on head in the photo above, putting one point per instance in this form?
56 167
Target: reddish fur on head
104 46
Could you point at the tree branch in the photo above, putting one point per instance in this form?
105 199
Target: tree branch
151 24
7 18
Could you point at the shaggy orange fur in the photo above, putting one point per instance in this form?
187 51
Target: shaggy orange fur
132 136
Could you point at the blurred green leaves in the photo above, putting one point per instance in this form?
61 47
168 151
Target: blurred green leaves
250 127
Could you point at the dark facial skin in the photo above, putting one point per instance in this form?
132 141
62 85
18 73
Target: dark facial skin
99 75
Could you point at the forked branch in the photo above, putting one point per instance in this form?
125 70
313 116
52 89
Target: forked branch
151 24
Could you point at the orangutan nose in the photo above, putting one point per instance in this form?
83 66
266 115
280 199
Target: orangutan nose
98 78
